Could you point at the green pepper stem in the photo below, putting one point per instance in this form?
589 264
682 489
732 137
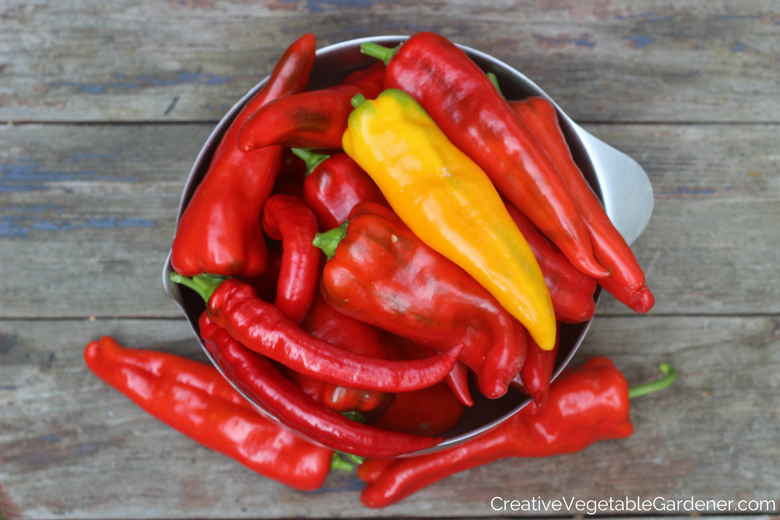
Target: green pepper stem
203 284
357 459
311 159
357 99
329 240
336 462
665 368
377 51
494 80
354 416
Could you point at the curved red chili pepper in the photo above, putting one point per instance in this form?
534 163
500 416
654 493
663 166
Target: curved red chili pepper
265 284
334 185
197 401
536 373
220 231
476 118
627 281
258 378
288 219
381 273
429 411
457 380
261 327
571 290
315 119
586 404
326 323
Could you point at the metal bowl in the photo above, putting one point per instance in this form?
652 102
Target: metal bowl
619 181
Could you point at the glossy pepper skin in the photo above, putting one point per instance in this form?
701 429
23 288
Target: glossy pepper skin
197 401
449 202
220 231
326 323
627 281
536 373
571 290
258 378
314 119
334 185
261 327
382 274
477 119
586 404
289 220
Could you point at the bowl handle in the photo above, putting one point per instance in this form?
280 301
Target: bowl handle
628 195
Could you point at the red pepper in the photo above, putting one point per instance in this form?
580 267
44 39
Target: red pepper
627 282
258 378
586 404
220 231
571 290
260 326
326 323
536 372
288 219
379 272
265 284
429 411
315 119
457 380
334 185
476 118
196 400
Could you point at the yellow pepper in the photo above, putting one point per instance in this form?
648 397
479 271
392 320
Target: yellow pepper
450 204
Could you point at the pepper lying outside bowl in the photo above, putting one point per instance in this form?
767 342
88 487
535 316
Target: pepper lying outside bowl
619 181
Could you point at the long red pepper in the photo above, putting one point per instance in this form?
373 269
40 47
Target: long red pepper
457 380
260 326
536 373
379 272
586 404
265 284
220 231
288 219
197 401
326 323
627 281
258 378
315 119
571 290
476 118
334 185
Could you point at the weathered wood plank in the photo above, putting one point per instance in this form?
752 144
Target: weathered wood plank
605 60
87 216
74 448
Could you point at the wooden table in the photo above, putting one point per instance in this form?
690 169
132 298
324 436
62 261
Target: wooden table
108 103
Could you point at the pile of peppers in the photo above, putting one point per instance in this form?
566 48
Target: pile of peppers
366 249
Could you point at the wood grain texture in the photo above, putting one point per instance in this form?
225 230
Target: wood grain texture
87 216
602 60
74 448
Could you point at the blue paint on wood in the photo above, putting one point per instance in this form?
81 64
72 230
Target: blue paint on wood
582 41
640 40
737 47
316 6
25 176
19 227
686 191
182 77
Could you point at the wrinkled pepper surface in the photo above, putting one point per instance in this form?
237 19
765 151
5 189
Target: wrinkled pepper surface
449 202
265 385
197 401
380 272
627 281
220 231
261 327
326 323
